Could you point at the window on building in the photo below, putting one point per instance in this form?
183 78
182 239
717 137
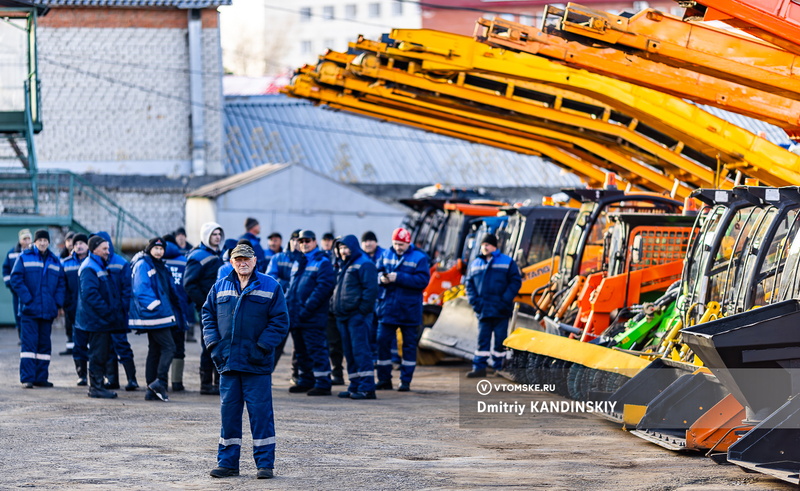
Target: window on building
507 16
527 19
350 11
305 14
397 8
374 10
327 43
327 12
306 48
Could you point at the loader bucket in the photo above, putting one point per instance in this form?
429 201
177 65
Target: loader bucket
718 428
753 354
577 370
646 385
772 446
677 408
456 330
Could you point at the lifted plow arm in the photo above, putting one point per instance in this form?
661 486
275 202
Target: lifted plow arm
736 148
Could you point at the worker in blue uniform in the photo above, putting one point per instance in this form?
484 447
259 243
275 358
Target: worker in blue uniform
38 279
244 320
493 280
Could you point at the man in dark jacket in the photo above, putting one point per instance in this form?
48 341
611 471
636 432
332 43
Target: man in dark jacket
100 312
493 280
353 304
38 279
176 263
404 274
252 228
25 240
244 320
309 293
71 265
202 265
119 270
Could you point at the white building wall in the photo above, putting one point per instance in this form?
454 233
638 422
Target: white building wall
116 100
268 37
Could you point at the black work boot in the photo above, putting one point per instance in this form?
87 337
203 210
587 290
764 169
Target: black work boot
207 384
130 372
80 369
98 391
112 374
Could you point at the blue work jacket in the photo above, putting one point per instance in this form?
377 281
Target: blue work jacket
38 281
492 283
310 290
242 327
357 282
400 302
150 307
100 306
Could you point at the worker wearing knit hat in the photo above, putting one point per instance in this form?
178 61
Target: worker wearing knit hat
493 280
25 232
252 229
94 242
41 234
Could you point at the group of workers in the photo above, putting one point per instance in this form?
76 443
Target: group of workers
342 298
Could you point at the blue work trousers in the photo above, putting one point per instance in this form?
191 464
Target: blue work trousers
235 390
387 332
311 348
354 331
35 347
497 326
80 348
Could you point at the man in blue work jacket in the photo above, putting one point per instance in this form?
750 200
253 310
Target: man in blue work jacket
353 305
38 280
309 292
72 264
403 273
244 320
25 240
493 280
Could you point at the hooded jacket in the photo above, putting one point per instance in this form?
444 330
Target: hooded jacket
153 293
38 281
357 283
202 264
120 271
400 302
100 306
242 327
492 283
310 290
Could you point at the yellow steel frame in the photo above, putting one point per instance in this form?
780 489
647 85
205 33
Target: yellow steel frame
698 47
623 65
736 148
558 117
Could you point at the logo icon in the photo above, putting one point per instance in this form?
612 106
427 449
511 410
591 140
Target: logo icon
484 387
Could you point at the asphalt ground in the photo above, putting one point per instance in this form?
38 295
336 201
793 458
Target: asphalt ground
58 438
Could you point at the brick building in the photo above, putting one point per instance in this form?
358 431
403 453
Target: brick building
131 86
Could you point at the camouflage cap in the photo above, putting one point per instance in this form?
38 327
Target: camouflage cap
242 250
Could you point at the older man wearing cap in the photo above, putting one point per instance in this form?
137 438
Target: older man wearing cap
38 279
274 245
403 274
493 280
244 320
308 296
25 240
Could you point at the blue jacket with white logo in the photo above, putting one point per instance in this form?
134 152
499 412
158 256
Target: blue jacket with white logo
8 264
376 254
492 283
400 302
280 267
242 328
310 290
38 281
176 263
100 306
151 305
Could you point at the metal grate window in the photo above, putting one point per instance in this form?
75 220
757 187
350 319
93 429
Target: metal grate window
659 245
